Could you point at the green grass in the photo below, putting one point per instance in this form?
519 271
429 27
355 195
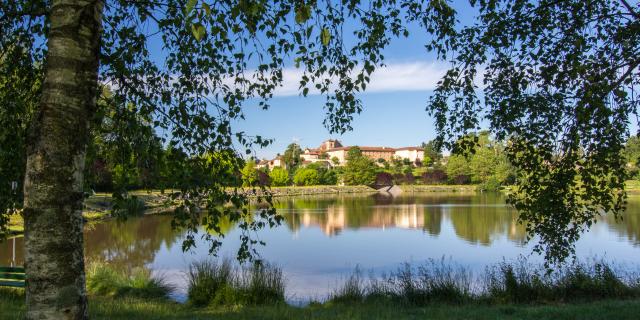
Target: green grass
12 307
436 290
440 281
222 284
103 280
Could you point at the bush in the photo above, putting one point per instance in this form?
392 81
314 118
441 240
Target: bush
306 177
126 206
409 178
492 184
262 284
462 179
434 177
249 174
404 178
354 290
279 177
525 283
263 179
103 280
359 169
384 179
208 281
328 177
439 281
220 284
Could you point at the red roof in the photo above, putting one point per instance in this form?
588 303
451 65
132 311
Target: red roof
409 148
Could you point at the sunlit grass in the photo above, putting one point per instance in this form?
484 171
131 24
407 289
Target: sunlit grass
440 281
12 307
214 283
103 280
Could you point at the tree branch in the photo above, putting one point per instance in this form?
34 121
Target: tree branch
630 8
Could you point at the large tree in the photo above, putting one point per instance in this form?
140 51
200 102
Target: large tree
209 58
559 80
291 156
558 83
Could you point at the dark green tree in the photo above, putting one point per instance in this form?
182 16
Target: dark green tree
557 80
279 177
558 83
215 57
432 153
359 169
291 156
632 155
306 177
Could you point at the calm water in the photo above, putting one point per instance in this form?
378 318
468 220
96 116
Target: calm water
325 237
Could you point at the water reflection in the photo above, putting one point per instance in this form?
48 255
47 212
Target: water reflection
324 237
477 218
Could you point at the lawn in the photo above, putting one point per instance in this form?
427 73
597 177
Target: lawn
106 308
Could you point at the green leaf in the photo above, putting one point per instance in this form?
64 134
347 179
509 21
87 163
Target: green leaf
198 30
190 5
325 36
303 13
207 9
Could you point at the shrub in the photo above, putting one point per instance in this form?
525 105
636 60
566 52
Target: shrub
359 169
439 281
208 281
262 284
306 177
384 179
215 284
409 178
525 283
103 280
404 178
353 290
125 206
434 177
279 177
462 179
492 184
263 179
249 174
328 177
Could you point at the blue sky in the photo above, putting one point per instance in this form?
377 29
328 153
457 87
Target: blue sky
393 118
394 104
393 113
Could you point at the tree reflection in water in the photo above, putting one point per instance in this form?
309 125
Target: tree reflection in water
478 219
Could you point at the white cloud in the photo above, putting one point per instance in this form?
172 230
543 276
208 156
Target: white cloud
407 76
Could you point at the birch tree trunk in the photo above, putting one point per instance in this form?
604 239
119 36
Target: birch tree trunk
53 193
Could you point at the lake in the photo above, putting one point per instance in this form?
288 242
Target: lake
324 238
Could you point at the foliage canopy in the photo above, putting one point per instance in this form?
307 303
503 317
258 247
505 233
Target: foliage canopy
559 81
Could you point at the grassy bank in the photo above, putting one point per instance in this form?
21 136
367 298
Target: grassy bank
98 207
438 188
311 190
12 307
435 290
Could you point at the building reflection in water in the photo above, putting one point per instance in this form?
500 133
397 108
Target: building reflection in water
478 219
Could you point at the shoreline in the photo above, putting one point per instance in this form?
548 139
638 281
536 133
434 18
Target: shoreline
97 207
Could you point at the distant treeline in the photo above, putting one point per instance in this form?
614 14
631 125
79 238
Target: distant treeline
132 156
486 165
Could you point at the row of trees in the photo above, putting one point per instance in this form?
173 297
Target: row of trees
138 159
487 166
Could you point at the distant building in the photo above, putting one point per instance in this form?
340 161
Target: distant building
270 164
331 149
